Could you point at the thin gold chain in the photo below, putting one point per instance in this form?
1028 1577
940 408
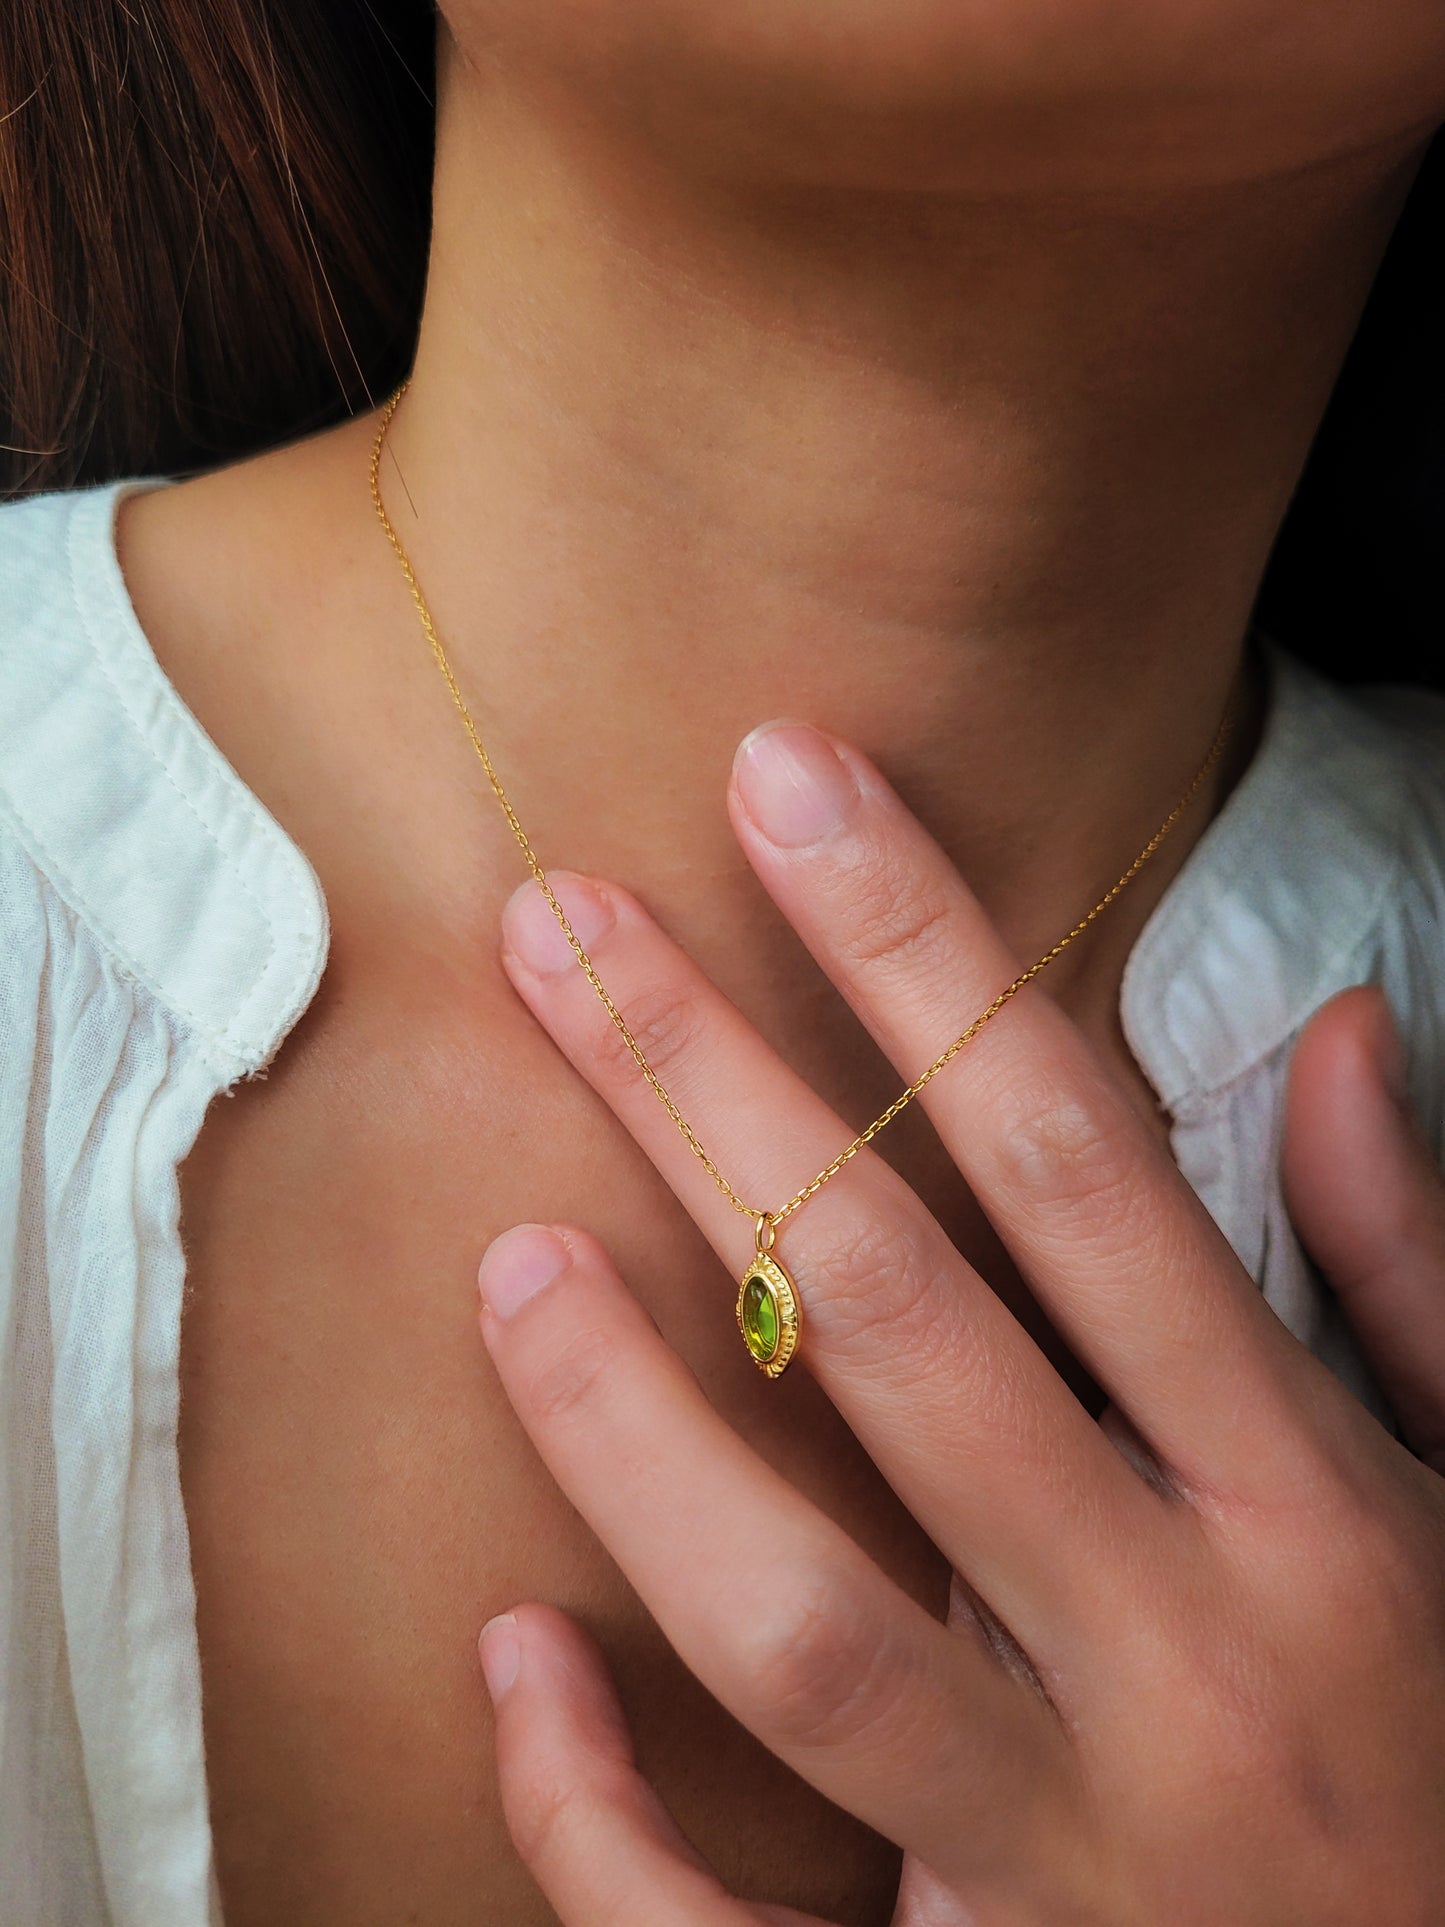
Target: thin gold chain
763 1219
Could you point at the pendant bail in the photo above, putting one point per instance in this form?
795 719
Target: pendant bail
765 1231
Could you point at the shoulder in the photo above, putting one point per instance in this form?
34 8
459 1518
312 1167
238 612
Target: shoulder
1379 754
1355 777
43 625
121 805
33 533
1325 868
1407 731
1406 951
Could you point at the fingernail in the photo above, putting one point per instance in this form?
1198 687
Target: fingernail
533 932
518 1264
501 1654
793 784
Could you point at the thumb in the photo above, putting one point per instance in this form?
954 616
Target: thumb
594 1834
1368 1202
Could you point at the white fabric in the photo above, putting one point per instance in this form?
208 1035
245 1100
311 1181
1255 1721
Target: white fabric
160 934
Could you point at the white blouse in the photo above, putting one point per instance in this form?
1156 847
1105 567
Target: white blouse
159 936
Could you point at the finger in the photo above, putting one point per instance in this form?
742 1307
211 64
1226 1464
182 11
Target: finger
1001 1466
848 1680
593 1833
1091 1207
1368 1201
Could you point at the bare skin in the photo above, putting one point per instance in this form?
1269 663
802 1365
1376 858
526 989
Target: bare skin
980 479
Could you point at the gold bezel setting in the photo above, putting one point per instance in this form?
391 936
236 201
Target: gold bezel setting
785 1308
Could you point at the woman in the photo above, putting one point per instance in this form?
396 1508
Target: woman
939 377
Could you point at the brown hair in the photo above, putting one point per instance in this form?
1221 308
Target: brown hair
213 232
213 225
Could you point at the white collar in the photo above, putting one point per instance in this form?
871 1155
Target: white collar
1269 915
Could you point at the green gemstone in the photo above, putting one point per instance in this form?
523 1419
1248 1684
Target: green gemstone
760 1318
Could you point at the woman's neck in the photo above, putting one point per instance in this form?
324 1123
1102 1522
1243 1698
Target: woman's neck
984 486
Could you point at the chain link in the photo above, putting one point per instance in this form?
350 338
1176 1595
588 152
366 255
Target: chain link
762 1219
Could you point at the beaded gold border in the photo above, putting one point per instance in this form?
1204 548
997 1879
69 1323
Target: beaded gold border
785 1301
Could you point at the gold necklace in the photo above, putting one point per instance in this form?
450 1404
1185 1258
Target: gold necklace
768 1309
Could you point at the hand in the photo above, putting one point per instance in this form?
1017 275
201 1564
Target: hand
1221 1692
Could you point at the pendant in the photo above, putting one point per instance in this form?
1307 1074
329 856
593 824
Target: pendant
767 1307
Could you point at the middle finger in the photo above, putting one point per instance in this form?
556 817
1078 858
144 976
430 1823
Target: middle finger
954 1402
1113 1242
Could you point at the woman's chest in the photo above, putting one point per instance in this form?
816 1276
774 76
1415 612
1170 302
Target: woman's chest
360 1497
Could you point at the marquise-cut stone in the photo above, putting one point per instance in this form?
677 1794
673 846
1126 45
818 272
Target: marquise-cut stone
760 1319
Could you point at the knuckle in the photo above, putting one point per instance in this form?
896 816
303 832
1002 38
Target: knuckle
1372 1562
882 1278
666 1023
548 1807
1072 1151
568 1382
896 923
814 1665
539 1805
1379 1574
